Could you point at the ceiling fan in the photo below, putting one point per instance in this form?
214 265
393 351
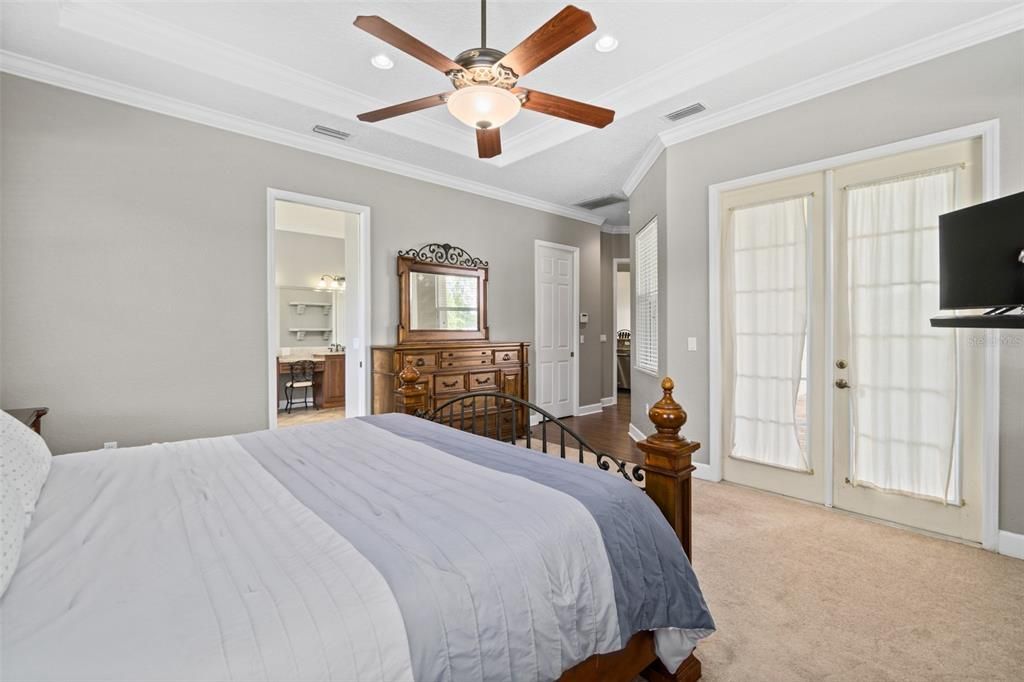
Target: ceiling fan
486 95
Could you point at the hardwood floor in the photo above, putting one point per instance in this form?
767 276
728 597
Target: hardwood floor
300 416
607 430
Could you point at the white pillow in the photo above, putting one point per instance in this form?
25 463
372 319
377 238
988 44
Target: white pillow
24 463
12 532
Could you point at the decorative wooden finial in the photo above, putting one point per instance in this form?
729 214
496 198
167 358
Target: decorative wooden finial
409 375
666 414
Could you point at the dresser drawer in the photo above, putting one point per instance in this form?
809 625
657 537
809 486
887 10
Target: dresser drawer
468 362
509 356
464 354
449 383
420 361
483 381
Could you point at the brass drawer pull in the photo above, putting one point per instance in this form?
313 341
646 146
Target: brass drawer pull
420 362
481 381
450 385
506 357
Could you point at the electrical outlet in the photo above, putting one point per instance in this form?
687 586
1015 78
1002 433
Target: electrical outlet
604 338
110 445
581 338
691 343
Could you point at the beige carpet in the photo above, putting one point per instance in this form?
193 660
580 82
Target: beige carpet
803 593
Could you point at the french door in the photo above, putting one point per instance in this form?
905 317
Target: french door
907 430
834 385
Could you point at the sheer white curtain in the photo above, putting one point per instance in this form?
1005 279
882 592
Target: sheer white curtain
903 372
765 319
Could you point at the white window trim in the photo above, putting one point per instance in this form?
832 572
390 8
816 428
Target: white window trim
636 340
988 131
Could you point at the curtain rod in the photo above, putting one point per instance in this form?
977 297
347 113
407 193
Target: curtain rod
772 201
906 176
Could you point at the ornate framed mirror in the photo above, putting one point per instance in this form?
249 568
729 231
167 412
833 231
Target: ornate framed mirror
442 295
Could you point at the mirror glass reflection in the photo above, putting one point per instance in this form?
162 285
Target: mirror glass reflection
448 302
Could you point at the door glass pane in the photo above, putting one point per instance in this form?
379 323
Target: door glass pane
767 248
902 370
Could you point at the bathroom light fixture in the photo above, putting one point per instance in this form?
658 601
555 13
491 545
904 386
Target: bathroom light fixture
382 61
331 283
606 44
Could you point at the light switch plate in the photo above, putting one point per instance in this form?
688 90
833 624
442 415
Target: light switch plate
604 338
691 343
581 338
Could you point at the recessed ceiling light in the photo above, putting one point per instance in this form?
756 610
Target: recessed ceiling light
606 44
382 61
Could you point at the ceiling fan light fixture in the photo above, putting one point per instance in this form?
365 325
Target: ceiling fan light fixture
484 106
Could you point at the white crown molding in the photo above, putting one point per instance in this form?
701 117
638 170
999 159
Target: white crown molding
647 159
615 229
967 35
60 76
782 29
160 40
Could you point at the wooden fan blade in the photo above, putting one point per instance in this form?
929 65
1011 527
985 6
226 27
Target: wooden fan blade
560 32
396 37
404 108
570 109
488 142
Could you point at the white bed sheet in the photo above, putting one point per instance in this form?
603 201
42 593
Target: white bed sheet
189 561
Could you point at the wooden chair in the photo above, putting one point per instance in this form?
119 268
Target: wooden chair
301 376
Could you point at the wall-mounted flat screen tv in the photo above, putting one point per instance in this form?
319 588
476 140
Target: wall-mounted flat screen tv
981 255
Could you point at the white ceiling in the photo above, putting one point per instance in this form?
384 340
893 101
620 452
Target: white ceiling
287 66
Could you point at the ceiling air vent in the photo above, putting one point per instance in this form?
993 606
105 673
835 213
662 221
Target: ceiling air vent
600 202
685 111
331 132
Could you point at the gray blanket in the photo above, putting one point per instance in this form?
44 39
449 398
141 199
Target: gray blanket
505 563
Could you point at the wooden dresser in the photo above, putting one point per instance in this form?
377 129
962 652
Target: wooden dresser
451 368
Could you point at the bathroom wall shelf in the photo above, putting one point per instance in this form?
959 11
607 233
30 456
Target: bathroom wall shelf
300 332
300 306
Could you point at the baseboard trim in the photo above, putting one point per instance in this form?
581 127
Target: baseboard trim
534 419
610 400
636 434
1011 544
593 408
705 472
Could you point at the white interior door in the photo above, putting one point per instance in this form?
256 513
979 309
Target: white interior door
555 305
908 421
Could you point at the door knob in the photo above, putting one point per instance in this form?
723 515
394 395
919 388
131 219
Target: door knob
842 383
841 364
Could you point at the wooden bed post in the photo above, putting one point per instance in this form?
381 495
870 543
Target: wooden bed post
410 397
667 465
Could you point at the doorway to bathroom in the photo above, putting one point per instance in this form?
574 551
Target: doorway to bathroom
317 304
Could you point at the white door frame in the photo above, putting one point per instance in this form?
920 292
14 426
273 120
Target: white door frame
360 345
615 327
575 251
988 131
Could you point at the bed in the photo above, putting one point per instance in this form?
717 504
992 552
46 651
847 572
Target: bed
389 547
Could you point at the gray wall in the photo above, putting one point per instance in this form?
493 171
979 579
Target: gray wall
302 258
981 83
649 201
134 259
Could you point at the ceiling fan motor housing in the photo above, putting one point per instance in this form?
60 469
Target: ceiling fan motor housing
481 67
